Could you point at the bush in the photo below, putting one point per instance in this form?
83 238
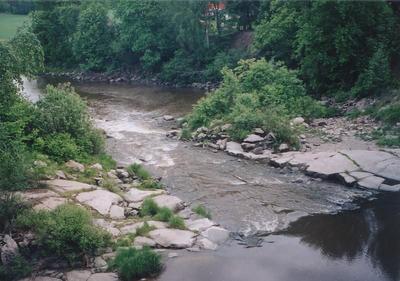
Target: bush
135 264
63 115
150 184
11 206
176 222
202 211
164 214
257 93
67 232
149 208
16 269
138 170
389 114
144 229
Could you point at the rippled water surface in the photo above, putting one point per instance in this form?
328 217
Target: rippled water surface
249 197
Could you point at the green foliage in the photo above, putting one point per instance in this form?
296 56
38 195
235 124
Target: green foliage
11 206
144 229
149 208
257 93
150 184
202 211
389 114
185 134
67 232
18 268
63 126
324 38
164 214
138 170
176 222
91 41
135 264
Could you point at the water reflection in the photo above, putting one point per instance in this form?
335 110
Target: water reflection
372 232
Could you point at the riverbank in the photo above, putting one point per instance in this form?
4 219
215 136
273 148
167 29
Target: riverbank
121 77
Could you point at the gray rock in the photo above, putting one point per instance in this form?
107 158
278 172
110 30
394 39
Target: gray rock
9 250
390 188
347 179
100 200
226 127
61 175
206 244
35 194
168 117
173 238
222 143
216 234
50 203
200 224
141 241
99 262
234 149
360 175
109 276
253 138
169 201
327 166
248 146
97 166
78 275
283 147
173 255
137 195
75 166
68 186
109 227
117 212
259 131
371 182
297 120
131 228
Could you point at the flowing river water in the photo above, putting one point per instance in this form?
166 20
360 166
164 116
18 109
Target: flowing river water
311 230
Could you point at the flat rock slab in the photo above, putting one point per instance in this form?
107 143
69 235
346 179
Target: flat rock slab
137 195
40 278
108 226
173 238
253 138
199 225
68 186
141 241
109 276
100 200
371 182
379 163
50 203
131 228
327 166
117 212
206 244
37 194
216 234
172 202
78 275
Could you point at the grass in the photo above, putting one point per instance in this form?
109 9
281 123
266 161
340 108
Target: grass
176 222
144 229
133 264
138 170
202 211
150 184
9 24
164 214
149 208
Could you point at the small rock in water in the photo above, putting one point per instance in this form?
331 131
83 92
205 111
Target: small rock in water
168 117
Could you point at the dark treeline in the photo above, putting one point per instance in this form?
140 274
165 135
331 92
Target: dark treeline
341 48
20 7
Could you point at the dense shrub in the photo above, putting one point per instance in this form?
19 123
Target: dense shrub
67 232
11 206
389 114
135 264
144 229
150 184
257 93
176 222
16 269
164 214
149 208
61 117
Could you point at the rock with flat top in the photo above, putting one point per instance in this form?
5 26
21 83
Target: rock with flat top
371 182
50 203
109 227
325 167
141 241
117 212
108 276
206 244
137 195
234 149
35 194
283 147
200 224
259 131
78 275
216 234
360 175
41 278
347 179
173 238
169 201
61 175
100 200
131 228
390 188
253 138
97 166
68 186
297 120
168 117
75 166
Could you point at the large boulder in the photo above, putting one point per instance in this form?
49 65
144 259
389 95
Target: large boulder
325 167
169 201
100 200
173 238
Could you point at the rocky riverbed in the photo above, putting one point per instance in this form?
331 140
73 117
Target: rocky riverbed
245 196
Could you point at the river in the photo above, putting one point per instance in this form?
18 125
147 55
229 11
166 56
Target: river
319 230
